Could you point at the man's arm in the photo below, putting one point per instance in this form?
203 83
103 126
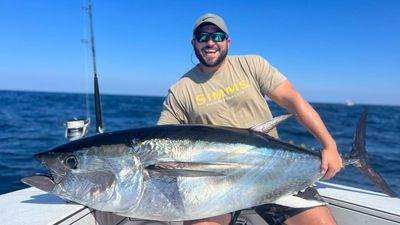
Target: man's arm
287 97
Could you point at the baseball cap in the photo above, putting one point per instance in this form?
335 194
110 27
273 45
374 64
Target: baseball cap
210 18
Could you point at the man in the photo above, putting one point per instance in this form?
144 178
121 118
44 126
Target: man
230 91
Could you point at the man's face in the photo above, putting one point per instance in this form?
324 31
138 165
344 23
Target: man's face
210 53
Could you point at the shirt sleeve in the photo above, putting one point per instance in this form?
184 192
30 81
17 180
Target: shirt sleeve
267 76
173 112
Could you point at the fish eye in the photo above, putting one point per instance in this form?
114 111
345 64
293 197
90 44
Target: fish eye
71 161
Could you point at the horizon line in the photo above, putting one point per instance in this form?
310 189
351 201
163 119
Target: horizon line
159 96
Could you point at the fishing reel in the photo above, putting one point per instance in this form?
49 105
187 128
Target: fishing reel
76 128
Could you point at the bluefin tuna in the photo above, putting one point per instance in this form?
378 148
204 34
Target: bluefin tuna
186 172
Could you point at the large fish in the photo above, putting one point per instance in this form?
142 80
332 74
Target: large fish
186 172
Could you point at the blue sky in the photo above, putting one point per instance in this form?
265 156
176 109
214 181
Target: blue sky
330 50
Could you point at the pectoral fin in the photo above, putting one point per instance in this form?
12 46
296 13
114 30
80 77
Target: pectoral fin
189 169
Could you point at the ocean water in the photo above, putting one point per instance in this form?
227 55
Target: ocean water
32 122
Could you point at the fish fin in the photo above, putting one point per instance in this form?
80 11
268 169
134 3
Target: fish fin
359 157
189 169
297 202
267 126
377 179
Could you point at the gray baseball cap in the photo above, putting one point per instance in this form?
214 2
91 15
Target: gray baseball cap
213 19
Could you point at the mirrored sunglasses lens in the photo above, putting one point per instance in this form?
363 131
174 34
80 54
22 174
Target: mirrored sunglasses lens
218 37
203 37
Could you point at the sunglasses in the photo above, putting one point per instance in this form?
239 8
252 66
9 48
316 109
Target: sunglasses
215 37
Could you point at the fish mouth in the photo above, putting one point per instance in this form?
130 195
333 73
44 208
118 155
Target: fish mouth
43 182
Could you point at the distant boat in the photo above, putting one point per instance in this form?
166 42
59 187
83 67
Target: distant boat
348 102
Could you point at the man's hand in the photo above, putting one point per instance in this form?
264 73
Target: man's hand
331 162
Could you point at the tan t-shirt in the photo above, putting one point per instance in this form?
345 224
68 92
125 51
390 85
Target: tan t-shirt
233 96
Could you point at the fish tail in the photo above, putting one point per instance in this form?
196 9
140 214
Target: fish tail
359 157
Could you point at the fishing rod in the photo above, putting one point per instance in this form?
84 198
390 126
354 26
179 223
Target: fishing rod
78 128
97 100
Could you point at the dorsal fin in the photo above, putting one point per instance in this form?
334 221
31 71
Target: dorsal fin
267 126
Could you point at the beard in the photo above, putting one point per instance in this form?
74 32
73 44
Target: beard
208 63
